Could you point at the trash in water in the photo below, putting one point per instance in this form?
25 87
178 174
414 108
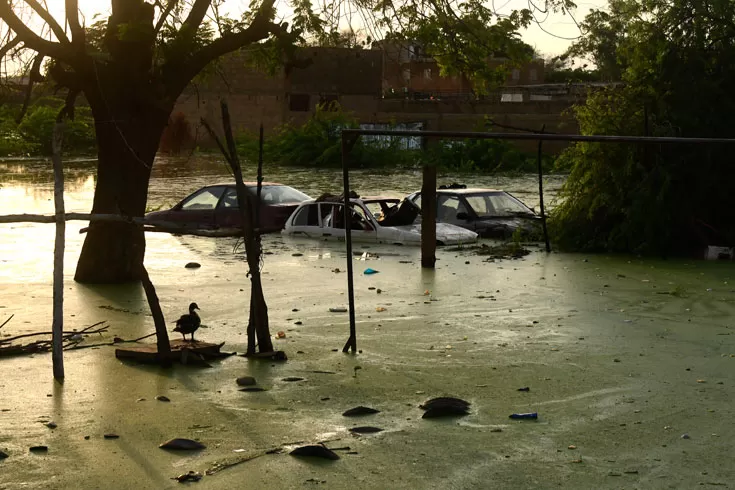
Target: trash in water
370 271
281 335
338 309
530 415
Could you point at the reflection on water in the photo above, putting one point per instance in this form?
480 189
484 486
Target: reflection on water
26 186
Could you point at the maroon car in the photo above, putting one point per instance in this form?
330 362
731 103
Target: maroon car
214 207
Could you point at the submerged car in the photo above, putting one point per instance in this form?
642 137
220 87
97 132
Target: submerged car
373 220
488 212
215 207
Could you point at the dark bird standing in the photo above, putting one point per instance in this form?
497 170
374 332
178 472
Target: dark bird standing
189 323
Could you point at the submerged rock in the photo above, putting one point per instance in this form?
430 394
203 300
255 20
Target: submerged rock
445 411
357 411
252 389
112 436
162 398
365 430
445 401
182 445
38 449
445 406
315 451
193 265
3 455
246 381
292 379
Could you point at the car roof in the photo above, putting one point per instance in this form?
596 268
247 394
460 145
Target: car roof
473 190
248 184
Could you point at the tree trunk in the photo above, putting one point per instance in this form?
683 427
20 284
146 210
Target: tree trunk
127 140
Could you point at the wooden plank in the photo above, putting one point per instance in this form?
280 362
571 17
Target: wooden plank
148 353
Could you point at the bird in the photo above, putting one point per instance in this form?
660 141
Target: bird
189 323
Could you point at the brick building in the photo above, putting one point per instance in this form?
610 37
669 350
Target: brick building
358 80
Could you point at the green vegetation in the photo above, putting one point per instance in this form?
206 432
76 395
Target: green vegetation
677 62
33 135
317 143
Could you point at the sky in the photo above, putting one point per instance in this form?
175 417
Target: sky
551 36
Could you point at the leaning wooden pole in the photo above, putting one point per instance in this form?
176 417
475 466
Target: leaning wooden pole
347 144
428 217
163 345
57 328
541 193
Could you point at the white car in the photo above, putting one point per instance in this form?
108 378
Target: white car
374 220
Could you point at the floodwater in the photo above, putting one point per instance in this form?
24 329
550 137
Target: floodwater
629 362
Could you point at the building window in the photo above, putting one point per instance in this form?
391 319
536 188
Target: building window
299 102
516 74
427 74
533 75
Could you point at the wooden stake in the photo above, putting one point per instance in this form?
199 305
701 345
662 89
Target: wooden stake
57 327
428 217
162 343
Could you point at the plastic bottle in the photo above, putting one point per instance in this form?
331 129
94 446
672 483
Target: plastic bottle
531 415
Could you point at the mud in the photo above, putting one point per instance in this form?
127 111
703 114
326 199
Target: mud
633 388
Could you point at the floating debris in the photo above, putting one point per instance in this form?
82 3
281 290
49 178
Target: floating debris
182 445
187 477
193 265
252 389
111 436
338 309
3 455
315 451
292 379
162 398
38 449
358 411
369 271
525 388
524 416
365 430
51 425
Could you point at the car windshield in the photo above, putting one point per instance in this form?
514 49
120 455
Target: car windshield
490 204
270 194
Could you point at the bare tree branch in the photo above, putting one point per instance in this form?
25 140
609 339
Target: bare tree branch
30 39
72 17
196 15
33 77
260 28
10 45
164 15
49 19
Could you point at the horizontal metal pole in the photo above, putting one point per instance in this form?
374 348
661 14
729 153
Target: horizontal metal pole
534 136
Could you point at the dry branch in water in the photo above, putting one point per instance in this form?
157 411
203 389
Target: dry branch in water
71 341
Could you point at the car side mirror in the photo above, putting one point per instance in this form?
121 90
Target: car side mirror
463 215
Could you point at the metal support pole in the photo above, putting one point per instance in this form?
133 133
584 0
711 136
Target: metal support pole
541 192
57 327
347 144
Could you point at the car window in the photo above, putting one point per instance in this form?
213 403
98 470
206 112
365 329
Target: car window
307 216
281 194
497 204
358 219
447 207
230 199
417 200
205 199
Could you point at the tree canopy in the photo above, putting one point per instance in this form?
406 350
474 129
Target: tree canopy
676 60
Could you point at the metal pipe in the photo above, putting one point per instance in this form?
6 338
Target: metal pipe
535 136
352 341
541 194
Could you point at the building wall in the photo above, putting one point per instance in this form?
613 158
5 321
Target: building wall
356 79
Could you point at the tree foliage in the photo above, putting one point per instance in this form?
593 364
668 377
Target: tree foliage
677 62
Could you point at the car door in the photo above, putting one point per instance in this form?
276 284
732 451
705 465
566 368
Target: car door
362 227
198 210
227 214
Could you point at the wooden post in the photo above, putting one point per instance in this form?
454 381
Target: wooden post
428 214
57 328
163 344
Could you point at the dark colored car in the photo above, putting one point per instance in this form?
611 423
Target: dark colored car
215 207
489 213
